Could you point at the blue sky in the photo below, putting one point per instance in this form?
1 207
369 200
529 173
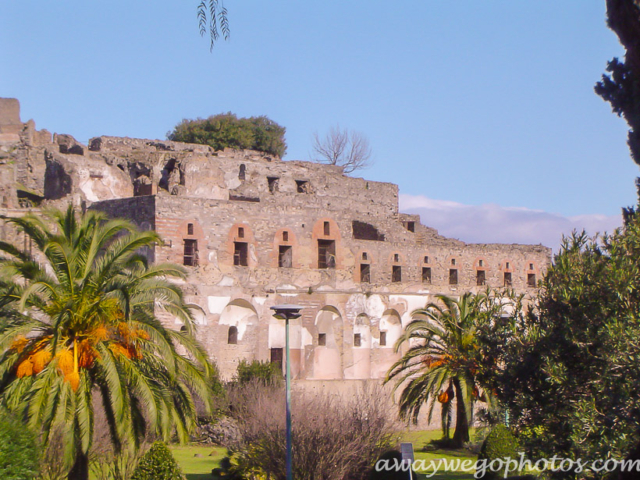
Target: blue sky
482 111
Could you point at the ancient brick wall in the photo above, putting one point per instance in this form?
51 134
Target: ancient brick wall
254 231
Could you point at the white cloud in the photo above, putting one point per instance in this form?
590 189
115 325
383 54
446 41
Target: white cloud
490 223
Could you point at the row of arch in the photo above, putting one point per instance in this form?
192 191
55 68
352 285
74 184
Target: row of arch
329 348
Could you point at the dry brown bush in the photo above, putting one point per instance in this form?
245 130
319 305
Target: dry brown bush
334 438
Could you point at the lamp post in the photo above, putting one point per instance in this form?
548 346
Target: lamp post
286 313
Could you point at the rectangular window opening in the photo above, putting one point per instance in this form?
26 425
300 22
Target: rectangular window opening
481 278
327 228
453 276
322 339
189 228
285 236
531 279
302 186
326 254
383 339
357 340
365 273
240 254
396 274
411 226
426 275
240 232
285 256
507 279
273 184
190 258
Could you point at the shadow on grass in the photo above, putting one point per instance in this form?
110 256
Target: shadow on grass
198 476
451 453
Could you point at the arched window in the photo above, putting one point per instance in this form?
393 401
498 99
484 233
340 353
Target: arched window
233 336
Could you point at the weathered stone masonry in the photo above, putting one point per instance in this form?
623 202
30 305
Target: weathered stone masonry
255 231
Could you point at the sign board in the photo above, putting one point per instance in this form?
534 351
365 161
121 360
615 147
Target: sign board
406 450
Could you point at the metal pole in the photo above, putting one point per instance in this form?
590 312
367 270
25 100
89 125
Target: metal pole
288 387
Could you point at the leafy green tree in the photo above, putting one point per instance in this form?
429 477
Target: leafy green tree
19 449
573 383
80 323
445 357
226 130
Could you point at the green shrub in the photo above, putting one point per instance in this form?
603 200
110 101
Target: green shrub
158 464
19 449
264 372
500 443
227 130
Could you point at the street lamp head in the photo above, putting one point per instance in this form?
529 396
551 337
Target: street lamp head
287 312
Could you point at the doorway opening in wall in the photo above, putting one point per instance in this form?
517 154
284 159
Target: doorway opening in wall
426 274
396 274
531 279
365 273
481 278
190 257
285 256
507 279
326 254
277 356
240 254
453 276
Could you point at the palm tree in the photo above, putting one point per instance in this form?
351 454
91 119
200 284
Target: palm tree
78 323
442 360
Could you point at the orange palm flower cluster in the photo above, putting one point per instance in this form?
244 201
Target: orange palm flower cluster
80 353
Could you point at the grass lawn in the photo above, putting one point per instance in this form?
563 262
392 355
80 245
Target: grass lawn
421 438
199 468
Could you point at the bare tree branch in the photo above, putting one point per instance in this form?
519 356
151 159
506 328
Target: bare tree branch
346 148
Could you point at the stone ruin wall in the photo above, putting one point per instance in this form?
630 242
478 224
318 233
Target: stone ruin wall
167 186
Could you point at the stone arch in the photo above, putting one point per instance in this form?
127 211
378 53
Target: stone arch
327 358
241 233
391 323
383 356
239 314
361 354
285 249
326 244
276 343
